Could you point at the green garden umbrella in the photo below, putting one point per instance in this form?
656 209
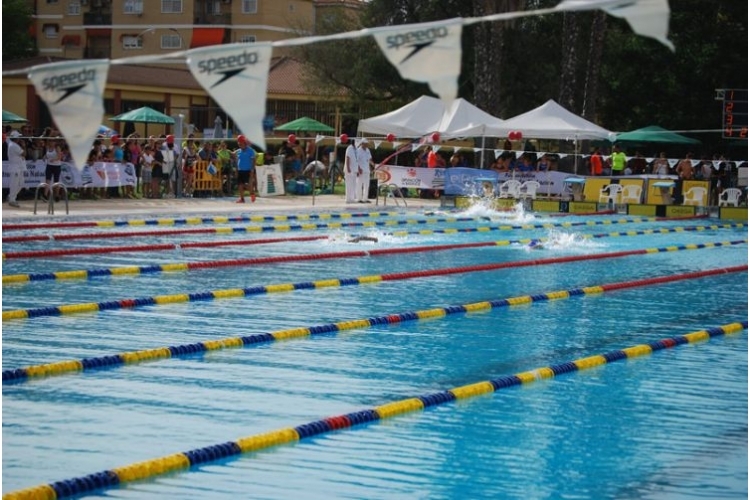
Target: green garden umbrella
304 124
654 134
9 117
144 115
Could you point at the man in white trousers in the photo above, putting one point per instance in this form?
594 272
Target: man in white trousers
351 173
364 158
17 164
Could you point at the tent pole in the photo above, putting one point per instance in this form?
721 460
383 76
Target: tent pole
315 171
481 161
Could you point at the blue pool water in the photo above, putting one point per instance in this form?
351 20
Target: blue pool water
672 424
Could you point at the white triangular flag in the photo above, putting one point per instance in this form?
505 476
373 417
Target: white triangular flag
236 76
672 162
649 160
693 163
562 155
319 138
427 52
376 144
415 146
717 164
540 154
646 17
456 149
436 148
73 93
396 144
498 152
477 150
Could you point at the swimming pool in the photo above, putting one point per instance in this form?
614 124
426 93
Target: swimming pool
669 425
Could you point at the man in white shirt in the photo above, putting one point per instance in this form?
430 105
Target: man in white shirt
351 173
364 159
17 164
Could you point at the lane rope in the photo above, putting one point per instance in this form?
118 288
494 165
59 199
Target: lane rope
182 461
133 303
169 246
195 220
191 266
217 230
127 358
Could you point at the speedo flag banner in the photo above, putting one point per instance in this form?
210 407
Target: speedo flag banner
73 92
236 76
646 17
428 52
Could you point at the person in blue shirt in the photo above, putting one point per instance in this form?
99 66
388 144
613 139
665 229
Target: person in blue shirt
245 168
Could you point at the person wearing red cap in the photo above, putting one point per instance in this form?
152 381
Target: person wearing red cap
245 168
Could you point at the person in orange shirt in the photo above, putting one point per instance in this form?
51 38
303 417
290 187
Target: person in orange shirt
432 159
596 162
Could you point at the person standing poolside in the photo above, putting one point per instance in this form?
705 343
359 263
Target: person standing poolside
53 157
17 164
245 168
596 162
661 165
351 173
170 166
364 160
618 161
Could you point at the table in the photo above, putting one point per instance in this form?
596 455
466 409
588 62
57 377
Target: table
576 186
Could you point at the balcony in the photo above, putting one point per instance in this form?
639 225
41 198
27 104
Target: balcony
97 19
223 18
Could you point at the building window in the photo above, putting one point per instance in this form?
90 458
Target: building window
247 39
171 41
74 9
249 6
133 7
171 6
213 7
51 30
132 42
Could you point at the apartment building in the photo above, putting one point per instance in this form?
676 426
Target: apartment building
114 29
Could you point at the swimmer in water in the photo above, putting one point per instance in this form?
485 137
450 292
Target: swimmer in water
357 239
536 245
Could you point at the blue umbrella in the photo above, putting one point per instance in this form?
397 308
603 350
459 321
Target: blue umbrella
106 131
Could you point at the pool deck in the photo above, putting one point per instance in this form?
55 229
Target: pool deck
155 208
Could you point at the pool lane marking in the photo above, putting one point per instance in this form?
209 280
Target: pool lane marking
132 357
220 230
197 220
337 225
132 303
188 266
160 466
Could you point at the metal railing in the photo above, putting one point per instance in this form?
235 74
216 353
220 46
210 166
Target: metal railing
51 197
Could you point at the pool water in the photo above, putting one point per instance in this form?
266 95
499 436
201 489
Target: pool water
672 424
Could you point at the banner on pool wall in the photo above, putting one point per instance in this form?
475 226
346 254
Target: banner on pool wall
465 181
98 175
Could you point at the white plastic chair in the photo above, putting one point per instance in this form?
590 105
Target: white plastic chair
510 189
528 190
610 193
631 193
696 195
730 196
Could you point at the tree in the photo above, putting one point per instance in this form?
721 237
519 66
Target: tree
17 41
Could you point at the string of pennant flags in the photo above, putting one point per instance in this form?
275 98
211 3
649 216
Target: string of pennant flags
414 146
426 53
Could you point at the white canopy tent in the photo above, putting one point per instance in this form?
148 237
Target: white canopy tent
419 117
551 121
428 114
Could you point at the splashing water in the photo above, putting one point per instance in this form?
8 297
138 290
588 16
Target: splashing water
560 240
483 209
